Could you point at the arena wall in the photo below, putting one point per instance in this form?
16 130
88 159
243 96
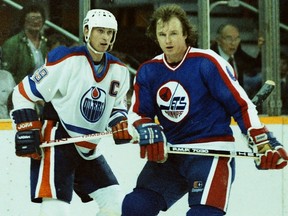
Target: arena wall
254 192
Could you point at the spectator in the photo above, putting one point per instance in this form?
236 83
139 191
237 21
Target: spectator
7 84
26 51
194 95
284 82
247 68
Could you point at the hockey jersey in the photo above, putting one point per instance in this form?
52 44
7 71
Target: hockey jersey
84 99
193 101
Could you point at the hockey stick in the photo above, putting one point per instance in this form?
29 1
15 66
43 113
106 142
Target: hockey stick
70 140
211 152
261 95
264 92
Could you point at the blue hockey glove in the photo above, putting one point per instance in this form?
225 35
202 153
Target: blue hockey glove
263 141
152 140
28 137
120 130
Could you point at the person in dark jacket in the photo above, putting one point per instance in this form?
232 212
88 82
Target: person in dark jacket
246 67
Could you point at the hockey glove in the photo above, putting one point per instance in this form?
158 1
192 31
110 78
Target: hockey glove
120 130
28 137
262 141
152 140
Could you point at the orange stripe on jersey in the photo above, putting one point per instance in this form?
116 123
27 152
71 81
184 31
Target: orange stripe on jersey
22 91
220 185
47 130
45 187
88 145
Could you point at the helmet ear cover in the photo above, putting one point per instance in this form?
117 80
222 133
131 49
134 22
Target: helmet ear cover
99 18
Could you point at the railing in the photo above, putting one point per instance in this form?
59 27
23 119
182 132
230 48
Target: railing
237 3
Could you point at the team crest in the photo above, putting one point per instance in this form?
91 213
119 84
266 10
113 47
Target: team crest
92 104
173 101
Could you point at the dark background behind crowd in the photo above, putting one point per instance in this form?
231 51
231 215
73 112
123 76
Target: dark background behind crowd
132 18
132 46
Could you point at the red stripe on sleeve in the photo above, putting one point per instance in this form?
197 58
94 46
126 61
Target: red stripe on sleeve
22 91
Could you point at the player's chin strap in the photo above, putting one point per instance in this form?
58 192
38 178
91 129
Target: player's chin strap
93 50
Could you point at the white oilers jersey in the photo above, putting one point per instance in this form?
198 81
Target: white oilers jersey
83 98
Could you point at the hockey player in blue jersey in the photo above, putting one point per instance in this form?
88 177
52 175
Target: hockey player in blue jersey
84 90
193 93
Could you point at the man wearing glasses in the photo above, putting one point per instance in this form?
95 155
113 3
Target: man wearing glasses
246 68
26 51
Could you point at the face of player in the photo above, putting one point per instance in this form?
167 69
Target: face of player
100 38
171 39
33 22
229 40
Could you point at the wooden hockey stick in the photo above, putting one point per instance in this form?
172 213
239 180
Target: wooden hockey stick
261 95
70 140
211 152
264 92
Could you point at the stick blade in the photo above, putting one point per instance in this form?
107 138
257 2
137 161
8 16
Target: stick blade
270 82
264 92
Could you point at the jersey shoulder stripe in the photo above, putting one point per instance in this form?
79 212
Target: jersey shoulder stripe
111 59
62 52
205 53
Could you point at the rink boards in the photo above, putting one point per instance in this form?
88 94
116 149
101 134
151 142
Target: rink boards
254 192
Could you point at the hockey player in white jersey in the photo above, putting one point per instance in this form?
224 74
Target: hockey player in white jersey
84 90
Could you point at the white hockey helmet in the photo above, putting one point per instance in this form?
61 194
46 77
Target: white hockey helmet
100 18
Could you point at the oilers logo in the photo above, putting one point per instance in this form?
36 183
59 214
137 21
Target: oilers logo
92 104
173 101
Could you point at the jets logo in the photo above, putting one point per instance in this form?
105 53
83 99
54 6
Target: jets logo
92 104
173 101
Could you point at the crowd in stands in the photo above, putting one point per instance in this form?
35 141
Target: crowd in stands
25 51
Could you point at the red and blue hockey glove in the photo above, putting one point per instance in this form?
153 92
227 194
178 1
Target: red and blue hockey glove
28 135
152 140
262 141
120 130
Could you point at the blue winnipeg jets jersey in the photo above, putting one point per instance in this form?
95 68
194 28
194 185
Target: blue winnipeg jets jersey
193 101
84 99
